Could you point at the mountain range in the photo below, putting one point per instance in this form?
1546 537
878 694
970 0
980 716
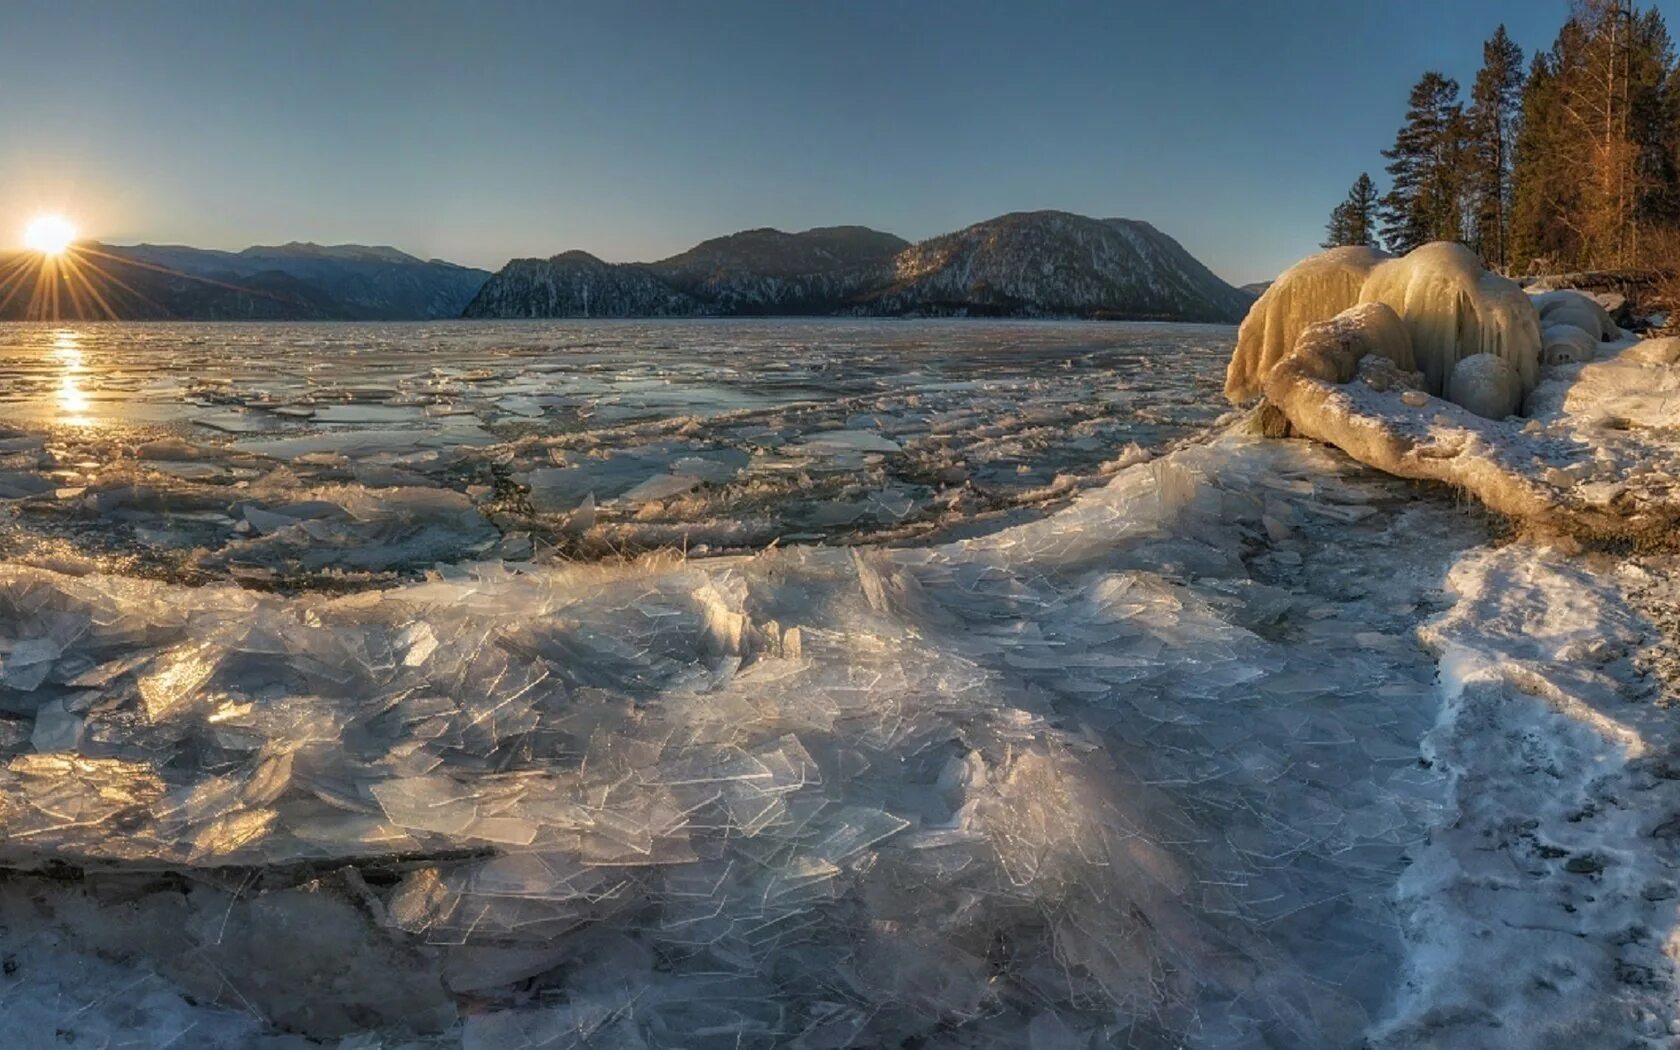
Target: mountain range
1024 264
296 281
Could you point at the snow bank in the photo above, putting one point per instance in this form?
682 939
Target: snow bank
1543 913
1314 289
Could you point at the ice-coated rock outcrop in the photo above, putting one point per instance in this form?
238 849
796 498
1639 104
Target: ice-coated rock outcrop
1486 385
1450 305
1566 306
1565 344
1314 289
1596 458
1455 308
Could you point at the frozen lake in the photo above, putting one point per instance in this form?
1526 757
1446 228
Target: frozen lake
290 452
761 684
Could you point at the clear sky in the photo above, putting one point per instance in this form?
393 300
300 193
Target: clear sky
481 131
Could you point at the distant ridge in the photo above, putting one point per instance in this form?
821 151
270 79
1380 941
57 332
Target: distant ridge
1024 264
297 281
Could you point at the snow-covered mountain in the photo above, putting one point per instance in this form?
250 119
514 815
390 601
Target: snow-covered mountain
1026 264
1049 263
295 281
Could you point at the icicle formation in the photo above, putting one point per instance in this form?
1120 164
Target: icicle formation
1451 307
1315 289
1456 309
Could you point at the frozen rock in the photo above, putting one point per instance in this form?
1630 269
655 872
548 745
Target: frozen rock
1332 350
1565 344
1566 306
1486 385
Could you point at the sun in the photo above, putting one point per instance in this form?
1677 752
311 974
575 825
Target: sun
49 234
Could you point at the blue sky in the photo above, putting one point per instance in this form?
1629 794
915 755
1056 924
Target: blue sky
482 131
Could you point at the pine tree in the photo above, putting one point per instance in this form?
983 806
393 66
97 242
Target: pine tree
1354 220
1653 110
1542 182
1425 202
1495 99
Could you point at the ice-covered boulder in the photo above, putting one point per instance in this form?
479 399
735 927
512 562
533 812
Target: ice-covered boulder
1568 306
1565 344
1454 309
1486 385
1313 290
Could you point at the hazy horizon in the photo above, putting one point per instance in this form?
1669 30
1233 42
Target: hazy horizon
633 132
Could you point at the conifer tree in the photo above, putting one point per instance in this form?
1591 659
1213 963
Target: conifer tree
1495 100
1425 165
1602 173
1654 122
1354 220
1575 166
1542 183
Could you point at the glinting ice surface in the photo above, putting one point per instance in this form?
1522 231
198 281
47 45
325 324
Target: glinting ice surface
349 455
1141 767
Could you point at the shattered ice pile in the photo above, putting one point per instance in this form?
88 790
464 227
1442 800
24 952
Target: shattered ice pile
1141 772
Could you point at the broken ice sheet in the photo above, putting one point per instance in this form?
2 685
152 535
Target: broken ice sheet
57 728
177 677
435 804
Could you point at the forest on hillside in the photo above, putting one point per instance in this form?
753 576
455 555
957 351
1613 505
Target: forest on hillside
1569 161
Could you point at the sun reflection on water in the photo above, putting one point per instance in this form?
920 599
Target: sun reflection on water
73 403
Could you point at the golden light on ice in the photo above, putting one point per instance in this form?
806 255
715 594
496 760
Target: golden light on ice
73 404
49 234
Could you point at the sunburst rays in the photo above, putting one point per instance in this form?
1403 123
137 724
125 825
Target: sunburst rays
80 283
